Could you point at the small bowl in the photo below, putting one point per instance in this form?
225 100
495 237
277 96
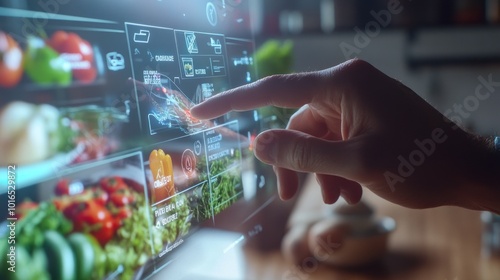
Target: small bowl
361 245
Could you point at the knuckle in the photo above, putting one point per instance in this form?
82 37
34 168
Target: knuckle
357 65
300 155
353 70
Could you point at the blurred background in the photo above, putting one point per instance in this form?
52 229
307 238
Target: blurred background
441 49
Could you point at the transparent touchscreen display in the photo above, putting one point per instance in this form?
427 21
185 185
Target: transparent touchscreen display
104 173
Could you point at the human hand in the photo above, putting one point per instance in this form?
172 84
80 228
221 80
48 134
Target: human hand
356 126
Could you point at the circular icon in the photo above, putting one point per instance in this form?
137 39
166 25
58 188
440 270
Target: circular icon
211 14
188 163
197 148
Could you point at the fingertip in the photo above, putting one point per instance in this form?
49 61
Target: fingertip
288 183
194 111
330 193
330 197
197 111
352 194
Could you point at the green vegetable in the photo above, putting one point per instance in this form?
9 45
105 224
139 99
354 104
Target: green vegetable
99 258
44 65
211 199
85 255
274 57
4 247
23 261
180 227
30 229
62 265
27 267
130 247
38 266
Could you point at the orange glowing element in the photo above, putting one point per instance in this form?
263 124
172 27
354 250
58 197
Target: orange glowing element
163 175
252 142
187 112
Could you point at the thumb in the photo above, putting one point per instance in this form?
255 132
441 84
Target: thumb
302 152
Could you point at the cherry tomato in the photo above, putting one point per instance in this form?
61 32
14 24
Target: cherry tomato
112 184
11 61
90 217
62 187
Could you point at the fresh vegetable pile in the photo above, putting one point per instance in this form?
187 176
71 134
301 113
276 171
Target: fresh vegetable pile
130 247
86 233
55 60
46 248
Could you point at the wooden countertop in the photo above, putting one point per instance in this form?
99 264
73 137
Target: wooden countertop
442 243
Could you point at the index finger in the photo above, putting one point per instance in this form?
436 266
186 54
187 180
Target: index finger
287 91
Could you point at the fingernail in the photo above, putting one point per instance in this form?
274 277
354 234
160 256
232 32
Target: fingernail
265 147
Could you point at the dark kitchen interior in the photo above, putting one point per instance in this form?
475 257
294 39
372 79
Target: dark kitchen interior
105 173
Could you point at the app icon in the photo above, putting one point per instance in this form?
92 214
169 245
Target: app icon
211 14
188 163
191 44
197 148
142 37
188 66
115 61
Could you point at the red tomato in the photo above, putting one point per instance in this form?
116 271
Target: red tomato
100 196
112 184
96 194
121 198
85 75
11 61
123 213
62 187
58 39
72 44
90 217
